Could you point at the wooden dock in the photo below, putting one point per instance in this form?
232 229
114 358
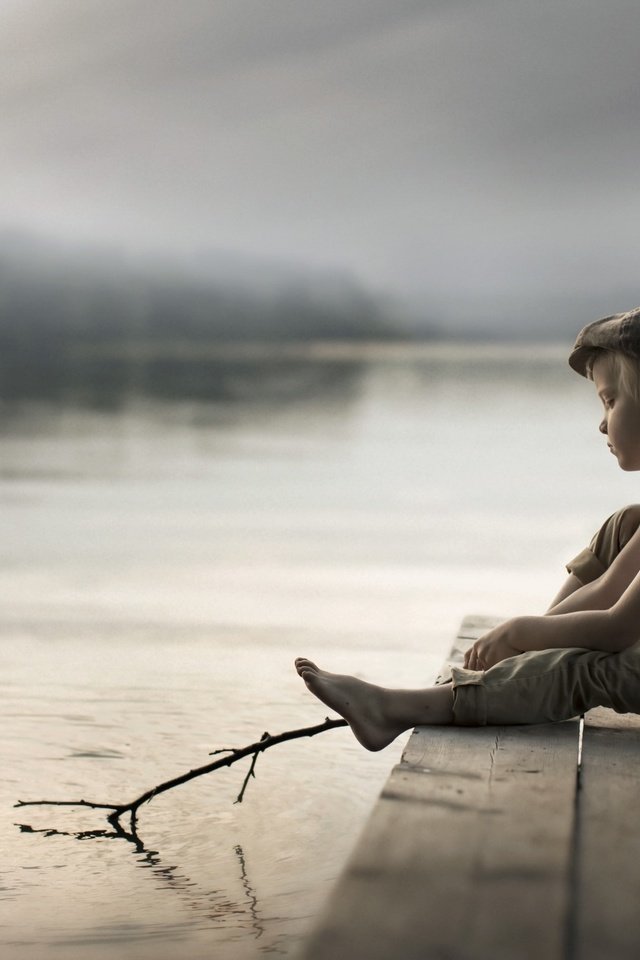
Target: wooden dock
497 843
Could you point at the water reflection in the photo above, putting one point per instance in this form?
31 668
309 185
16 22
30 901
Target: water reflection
112 384
244 383
208 905
252 900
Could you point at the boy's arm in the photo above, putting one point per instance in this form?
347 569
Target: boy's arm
609 630
569 587
601 615
591 629
603 593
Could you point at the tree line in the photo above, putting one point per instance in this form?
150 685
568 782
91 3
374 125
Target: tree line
54 298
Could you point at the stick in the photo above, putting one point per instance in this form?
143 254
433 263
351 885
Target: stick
253 749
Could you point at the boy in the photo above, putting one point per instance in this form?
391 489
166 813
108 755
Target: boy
582 652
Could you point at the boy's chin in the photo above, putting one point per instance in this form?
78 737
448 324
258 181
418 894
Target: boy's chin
629 467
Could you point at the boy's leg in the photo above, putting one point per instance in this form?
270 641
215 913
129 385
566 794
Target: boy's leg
547 685
534 687
377 715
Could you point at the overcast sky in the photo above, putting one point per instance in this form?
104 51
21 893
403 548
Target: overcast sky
480 158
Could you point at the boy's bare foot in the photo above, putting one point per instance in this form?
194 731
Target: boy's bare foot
363 705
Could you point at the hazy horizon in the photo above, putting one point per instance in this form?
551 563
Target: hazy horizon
57 298
475 164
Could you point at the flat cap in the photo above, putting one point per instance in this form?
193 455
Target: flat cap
619 332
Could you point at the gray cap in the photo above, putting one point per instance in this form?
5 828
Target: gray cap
619 332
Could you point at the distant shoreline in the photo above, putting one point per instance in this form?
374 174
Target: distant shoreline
318 350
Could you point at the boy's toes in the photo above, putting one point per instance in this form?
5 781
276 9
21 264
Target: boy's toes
303 664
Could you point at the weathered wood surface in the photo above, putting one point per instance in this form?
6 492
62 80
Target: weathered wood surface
491 843
445 869
608 856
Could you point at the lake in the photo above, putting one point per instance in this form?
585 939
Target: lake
175 531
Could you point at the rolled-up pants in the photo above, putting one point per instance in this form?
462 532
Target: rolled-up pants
547 685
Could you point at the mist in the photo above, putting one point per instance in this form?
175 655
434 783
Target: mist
63 299
474 163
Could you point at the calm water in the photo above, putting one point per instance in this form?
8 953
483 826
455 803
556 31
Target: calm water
174 533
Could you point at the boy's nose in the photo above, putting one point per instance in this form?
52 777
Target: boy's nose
603 426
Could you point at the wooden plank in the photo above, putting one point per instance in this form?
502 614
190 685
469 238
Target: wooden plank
467 850
608 853
467 853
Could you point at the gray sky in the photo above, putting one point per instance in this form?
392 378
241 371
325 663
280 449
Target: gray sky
480 158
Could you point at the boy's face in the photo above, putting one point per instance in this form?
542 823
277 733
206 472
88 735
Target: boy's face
621 421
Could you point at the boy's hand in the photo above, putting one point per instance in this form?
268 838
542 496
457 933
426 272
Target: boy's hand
491 648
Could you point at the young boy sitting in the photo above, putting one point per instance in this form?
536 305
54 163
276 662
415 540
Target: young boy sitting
582 653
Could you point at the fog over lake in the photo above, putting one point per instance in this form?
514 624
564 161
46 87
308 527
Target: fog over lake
475 161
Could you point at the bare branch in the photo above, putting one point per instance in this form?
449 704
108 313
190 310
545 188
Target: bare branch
252 750
69 803
251 773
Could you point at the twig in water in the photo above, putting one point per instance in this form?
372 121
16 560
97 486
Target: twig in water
252 750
